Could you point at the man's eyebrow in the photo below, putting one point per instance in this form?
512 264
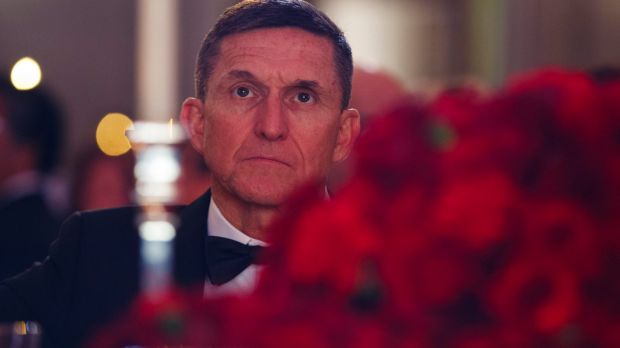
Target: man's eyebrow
241 74
309 84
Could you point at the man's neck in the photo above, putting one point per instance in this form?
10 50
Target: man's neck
251 219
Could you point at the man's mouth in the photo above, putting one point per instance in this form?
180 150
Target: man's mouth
268 159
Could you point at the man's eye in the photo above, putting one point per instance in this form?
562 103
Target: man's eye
304 97
242 92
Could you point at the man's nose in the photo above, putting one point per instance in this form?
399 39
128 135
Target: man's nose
272 122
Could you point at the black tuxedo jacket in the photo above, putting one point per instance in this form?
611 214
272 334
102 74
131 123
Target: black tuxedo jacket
27 228
92 272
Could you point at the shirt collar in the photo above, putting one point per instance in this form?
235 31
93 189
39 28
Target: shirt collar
218 226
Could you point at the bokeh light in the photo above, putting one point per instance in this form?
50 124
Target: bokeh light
157 231
110 135
26 74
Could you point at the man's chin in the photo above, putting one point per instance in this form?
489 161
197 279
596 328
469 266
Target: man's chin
263 193
267 198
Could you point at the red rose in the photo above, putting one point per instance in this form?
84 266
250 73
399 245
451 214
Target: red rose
398 148
530 293
329 244
458 107
561 231
475 210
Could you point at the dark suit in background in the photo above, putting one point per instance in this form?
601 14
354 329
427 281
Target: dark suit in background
27 228
92 273
31 130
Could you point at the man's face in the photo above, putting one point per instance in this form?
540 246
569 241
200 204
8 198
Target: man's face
272 119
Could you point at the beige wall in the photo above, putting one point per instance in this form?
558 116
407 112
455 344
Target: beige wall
416 40
426 42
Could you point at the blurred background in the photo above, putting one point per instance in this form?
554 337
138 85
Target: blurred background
89 50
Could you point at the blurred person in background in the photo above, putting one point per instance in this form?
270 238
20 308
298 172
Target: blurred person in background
103 181
30 146
373 93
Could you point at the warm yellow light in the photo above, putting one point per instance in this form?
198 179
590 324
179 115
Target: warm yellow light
111 137
19 328
26 74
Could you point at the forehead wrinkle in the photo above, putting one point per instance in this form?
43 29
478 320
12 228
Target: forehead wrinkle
233 51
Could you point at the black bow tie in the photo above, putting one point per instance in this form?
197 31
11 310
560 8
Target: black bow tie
227 258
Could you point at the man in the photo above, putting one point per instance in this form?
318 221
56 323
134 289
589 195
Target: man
30 127
273 82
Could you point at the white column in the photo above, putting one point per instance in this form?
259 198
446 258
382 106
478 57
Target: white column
157 166
156 60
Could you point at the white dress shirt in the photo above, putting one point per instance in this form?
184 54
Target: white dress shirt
246 281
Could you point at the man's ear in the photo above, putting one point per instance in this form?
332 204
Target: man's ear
347 134
192 119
